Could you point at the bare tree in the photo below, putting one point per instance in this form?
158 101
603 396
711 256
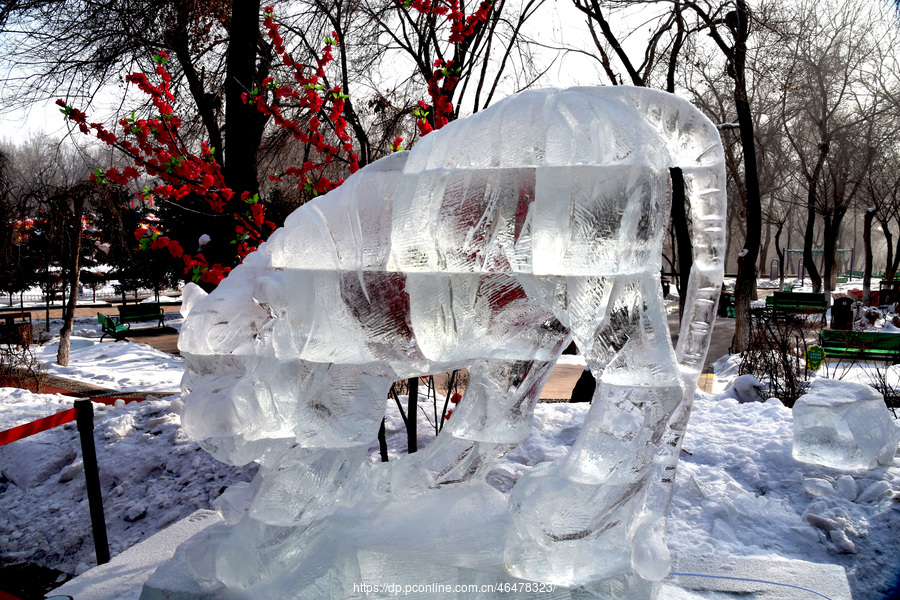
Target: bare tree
493 61
74 49
881 195
660 23
835 112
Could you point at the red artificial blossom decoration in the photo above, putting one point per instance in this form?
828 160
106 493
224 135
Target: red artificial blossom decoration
154 146
445 76
454 399
307 95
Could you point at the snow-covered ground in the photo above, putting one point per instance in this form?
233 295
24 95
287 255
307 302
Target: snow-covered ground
150 473
123 366
738 492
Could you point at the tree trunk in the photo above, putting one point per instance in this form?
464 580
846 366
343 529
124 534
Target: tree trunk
780 253
412 416
382 442
48 296
243 122
745 286
867 245
682 236
764 251
890 270
809 262
65 334
889 244
809 236
829 244
730 226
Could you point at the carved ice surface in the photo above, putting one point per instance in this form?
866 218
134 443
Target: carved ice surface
844 425
490 245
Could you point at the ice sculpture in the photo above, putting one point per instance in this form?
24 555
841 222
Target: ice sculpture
844 425
489 245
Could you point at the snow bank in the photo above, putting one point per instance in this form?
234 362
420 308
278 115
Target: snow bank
150 473
740 492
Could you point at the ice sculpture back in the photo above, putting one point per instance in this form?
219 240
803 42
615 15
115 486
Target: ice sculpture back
490 245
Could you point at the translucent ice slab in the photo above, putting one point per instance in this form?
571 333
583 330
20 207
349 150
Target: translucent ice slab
844 425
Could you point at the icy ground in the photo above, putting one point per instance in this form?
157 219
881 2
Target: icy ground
738 491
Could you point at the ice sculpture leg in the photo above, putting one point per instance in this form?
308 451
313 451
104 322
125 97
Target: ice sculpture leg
494 417
580 518
299 484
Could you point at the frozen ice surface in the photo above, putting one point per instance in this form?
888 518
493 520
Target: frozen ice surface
491 244
844 425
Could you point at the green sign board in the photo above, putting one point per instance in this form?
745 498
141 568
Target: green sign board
815 356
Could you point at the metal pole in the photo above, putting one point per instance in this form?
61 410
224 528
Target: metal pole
412 414
84 417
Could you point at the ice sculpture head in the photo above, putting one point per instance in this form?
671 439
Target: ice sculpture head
489 245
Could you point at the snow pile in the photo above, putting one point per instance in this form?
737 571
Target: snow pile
740 492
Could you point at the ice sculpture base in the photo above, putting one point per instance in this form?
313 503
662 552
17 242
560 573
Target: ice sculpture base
383 576
122 577
172 582
749 578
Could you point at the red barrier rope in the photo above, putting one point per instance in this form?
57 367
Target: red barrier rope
23 431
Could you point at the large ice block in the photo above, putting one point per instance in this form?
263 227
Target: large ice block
491 244
844 425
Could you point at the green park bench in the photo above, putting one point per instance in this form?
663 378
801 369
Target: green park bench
860 345
143 311
797 302
111 326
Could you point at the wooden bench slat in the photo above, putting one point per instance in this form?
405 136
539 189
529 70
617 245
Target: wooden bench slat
797 302
145 311
860 344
